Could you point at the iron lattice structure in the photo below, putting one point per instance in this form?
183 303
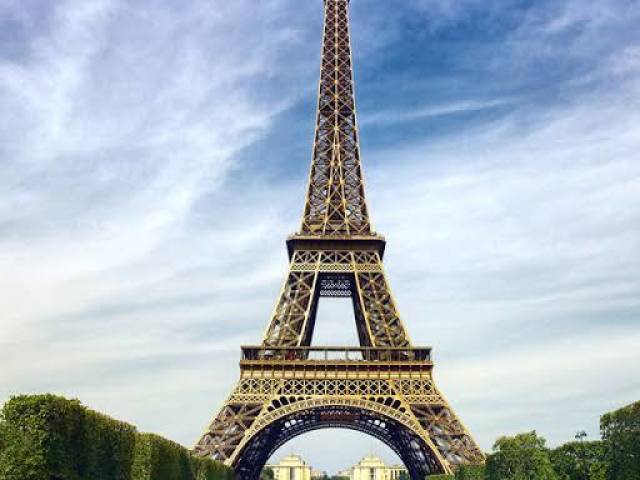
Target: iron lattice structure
385 386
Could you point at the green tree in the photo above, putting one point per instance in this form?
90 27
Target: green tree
621 433
523 457
266 474
470 472
579 461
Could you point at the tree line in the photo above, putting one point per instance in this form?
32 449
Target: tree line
526 457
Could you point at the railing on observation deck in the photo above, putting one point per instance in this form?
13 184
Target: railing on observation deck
337 354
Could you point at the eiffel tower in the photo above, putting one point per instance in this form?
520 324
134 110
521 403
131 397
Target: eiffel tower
384 387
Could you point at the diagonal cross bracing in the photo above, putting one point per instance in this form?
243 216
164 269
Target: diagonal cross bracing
335 203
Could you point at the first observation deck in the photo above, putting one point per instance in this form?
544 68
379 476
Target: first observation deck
334 361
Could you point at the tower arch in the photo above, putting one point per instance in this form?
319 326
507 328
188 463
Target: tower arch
388 424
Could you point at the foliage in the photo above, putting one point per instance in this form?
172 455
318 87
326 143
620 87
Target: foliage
207 469
267 474
620 431
579 461
470 472
160 459
50 437
523 457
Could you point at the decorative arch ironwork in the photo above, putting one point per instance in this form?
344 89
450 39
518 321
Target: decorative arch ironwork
386 422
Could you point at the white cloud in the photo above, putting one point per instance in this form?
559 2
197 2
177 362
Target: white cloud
398 116
121 120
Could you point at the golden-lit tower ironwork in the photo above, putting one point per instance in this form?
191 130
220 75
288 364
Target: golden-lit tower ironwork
384 387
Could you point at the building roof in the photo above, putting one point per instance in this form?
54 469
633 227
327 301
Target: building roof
288 461
371 460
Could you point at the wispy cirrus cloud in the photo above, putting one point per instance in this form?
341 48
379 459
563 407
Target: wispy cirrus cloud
121 122
433 111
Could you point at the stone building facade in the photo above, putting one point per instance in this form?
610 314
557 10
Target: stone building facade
373 468
291 467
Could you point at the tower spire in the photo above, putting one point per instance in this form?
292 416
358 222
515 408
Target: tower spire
335 203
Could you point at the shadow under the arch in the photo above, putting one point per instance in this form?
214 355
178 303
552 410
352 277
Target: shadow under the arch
414 452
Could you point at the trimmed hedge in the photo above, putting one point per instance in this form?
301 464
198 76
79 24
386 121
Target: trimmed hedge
160 459
620 431
440 476
157 458
209 470
52 438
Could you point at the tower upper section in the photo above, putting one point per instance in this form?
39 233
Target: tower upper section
335 205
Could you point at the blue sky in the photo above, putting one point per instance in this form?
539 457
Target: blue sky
153 157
